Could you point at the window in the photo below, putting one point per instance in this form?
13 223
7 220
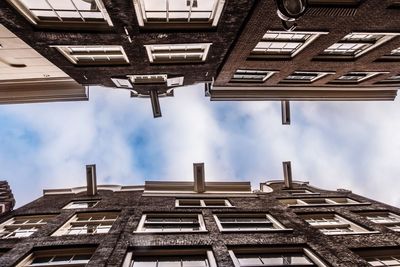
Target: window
283 44
88 223
391 79
203 203
167 223
288 256
23 226
177 53
305 76
320 201
178 13
393 56
247 222
81 204
170 258
299 192
94 54
243 75
77 257
354 45
67 13
390 220
333 224
381 256
356 77
146 79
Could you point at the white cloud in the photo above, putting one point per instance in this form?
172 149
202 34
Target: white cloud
331 144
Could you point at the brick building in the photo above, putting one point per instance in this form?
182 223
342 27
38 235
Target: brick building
7 200
201 224
340 50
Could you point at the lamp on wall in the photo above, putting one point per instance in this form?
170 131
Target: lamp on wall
289 11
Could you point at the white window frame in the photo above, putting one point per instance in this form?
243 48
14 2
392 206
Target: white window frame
199 217
393 224
274 251
66 51
258 53
328 221
58 20
366 45
381 256
57 252
71 204
84 224
160 253
148 79
211 22
249 72
203 203
277 226
205 47
369 74
299 202
26 227
319 75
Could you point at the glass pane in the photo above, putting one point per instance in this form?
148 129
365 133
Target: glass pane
86 5
62 5
42 259
35 4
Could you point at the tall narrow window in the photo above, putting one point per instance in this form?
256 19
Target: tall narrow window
247 222
23 226
66 13
88 223
177 53
356 77
278 44
356 44
305 76
388 219
78 257
170 223
81 204
170 257
203 203
94 54
333 224
257 76
288 256
178 13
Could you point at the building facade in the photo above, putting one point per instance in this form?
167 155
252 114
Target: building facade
340 50
7 200
202 224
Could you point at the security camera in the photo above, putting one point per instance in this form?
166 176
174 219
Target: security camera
289 11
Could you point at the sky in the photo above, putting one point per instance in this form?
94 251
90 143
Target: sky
351 145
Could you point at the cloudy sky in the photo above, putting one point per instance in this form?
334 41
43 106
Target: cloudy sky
351 145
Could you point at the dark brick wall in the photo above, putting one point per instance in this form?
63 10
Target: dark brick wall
123 15
112 247
371 16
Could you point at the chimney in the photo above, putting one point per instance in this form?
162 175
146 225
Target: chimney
91 180
287 173
285 106
199 177
155 104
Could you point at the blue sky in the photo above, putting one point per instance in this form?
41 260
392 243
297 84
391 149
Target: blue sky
351 145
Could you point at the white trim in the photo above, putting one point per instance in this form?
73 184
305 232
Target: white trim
216 13
65 50
204 52
319 75
278 227
271 250
77 190
202 203
200 220
369 74
384 39
74 202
